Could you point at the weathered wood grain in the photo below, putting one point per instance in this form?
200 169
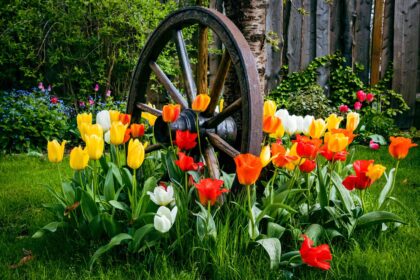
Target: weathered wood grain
377 41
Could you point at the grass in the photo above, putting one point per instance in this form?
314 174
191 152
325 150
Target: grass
370 255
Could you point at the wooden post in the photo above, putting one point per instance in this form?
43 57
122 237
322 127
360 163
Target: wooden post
377 41
202 85
387 36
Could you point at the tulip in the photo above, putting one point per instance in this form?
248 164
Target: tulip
107 137
135 154
162 196
209 190
271 124
346 132
149 117
125 118
55 151
185 140
292 153
127 135
337 142
353 120
137 130
108 93
317 128
114 116
315 256
79 158
54 100
361 95
330 156
333 122
104 120
299 124
307 166
94 146
399 147
83 118
265 155
357 105
41 86
186 163
164 218
248 168
360 180
117 133
373 145
307 120
289 122
279 132
93 129
96 88
343 108
201 102
370 97
307 148
375 171
170 112
280 158
270 108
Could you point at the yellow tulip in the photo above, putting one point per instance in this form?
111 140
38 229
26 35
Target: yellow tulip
270 108
55 151
279 132
117 133
114 116
135 155
201 102
353 120
337 142
375 171
317 128
79 158
94 146
149 117
333 122
265 155
292 152
87 129
221 104
83 118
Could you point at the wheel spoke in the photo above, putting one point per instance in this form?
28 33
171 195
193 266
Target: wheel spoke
166 82
186 66
212 163
153 147
202 60
219 81
228 111
148 109
222 145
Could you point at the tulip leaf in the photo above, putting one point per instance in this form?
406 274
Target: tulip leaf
174 172
386 189
115 241
273 248
109 224
88 206
68 191
117 174
139 236
275 230
51 227
343 193
378 217
314 232
95 226
120 205
109 190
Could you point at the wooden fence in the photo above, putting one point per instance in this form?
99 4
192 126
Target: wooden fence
373 33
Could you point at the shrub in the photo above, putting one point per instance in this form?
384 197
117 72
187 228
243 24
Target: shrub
29 118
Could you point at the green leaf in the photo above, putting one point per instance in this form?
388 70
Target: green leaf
378 139
88 206
344 193
386 189
139 236
273 248
314 232
120 205
68 191
378 217
115 241
117 174
51 227
109 190
110 226
275 230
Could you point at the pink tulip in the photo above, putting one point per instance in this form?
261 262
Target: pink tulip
49 88
370 97
373 145
91 102
108 93
357 105
41 86
96 87
343 108
361 95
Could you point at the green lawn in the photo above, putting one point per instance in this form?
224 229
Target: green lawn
370 255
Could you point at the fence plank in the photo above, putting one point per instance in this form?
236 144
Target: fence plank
348 18
363 11
322 46
294 37
377 41
387 37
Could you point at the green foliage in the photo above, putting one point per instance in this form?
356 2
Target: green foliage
75 44
29 119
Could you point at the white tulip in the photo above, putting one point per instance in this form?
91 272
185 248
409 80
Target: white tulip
164 218
104 120
299 124
107 137
162 196
307 120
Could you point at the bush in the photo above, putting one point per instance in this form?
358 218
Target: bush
29 119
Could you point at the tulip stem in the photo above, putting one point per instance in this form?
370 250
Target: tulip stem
208 216
198 135
393 179
134 194
186 183
117 148
81 179
170 135
95 180
271 185
362 198
309 191
251 216
59 173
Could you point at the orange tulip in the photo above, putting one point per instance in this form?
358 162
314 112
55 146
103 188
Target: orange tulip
201 102
137 130
399 147
280 156
271 124
125 118
346 132
248 168
170 112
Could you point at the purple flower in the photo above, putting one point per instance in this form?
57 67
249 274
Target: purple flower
82 104
96 87
91 102
49 87
41 86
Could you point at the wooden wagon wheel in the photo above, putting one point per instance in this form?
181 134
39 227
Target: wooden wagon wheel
220 129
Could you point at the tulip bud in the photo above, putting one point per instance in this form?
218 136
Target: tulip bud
343 108
333 122
135 154
375 171
357 106
162 196
361 95
271 124
201 102
114 116
137 130
317 128
353 120
125 118
79 158
83 118
373 145
55 151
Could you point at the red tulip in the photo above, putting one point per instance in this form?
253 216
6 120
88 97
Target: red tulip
361 95
185 140
370 97
54 100
373 145
209 190
127 135
125 118
307 148
360 180
330 156
280 159
186 163
315 256
343 108
357 105
307 166
137 130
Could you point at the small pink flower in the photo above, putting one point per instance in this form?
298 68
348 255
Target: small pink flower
343 108
41 86
361 95
370 97
357 105
373 145
96 87
49 88
108 93
54 100
91 102
82 104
